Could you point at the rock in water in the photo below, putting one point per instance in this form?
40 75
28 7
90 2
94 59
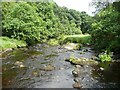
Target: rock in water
77 85
101 68
76 80
76 71
49 67
22 66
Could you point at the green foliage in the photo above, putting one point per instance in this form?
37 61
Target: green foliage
40 21
106 28
22 22
6 42
105 56
86 22
52 42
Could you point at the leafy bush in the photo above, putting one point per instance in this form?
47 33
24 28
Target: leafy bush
52 42
106 28
22 22
105 56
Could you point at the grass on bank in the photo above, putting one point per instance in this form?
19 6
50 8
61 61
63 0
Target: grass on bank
81 38
6 43
63 39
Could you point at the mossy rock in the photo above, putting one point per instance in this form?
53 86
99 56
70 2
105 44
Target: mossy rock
82 61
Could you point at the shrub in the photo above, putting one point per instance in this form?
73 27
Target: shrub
104 56
6 42
106 29
52 42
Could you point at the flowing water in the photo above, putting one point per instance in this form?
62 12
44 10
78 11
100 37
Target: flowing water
43 66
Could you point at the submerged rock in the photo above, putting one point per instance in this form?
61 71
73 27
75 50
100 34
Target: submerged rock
20 64
76 85
51 55
76 71
17 63
48 67
35 73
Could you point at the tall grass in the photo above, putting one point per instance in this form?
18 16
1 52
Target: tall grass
83 39
6 43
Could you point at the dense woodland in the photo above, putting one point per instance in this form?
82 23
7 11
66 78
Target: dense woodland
35 22
38 21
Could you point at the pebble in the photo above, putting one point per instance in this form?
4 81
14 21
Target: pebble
76 85
36 74
61 68
13 67
76 80
101 68
75 73
87 66
48 68
22 66
18 63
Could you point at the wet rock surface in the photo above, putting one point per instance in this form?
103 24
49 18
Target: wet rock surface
48 67
82 61
71 46
45 67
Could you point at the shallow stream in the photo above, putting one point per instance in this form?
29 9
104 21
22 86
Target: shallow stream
44 66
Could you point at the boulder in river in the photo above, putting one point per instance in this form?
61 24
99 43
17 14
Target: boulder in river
82 61
76 85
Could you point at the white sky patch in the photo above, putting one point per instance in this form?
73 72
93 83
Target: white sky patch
79 5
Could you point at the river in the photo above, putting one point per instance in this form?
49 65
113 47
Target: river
44 66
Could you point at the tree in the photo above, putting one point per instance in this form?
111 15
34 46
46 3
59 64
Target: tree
22 22
106 32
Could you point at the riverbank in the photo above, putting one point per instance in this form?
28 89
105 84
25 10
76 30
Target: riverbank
8 43
78 38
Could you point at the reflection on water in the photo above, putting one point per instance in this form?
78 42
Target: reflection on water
110 74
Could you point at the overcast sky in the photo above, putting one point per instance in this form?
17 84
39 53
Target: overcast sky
79 5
